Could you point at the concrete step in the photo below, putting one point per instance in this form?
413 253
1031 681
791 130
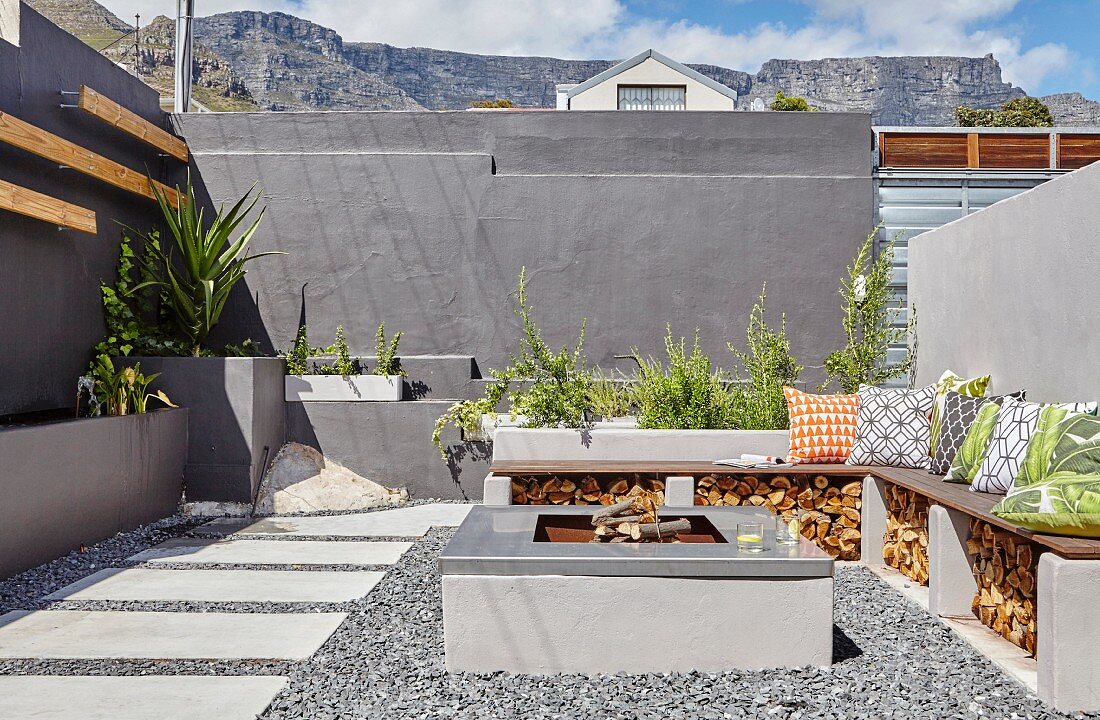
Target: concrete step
270 552
177 697
90 634
412 521
155 584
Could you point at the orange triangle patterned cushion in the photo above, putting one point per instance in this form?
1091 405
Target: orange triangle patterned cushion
823 427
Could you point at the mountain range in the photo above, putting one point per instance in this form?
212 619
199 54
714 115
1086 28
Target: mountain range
250 60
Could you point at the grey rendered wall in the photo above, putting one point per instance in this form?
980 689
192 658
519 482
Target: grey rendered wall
1010 290
629 219
68 483
50 314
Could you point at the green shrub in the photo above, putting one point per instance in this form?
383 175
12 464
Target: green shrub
196 275
484 104
122 391
689 394
556 393
1018 112
791 103
388 364
609 397
767 363
344 365
298 357
869 328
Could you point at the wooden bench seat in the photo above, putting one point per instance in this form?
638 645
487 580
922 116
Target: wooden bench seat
978 505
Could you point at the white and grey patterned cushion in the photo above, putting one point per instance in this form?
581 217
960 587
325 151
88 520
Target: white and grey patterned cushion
1007 445
959 412
892 427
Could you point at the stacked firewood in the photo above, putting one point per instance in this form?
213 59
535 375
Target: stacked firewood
583 491
828 515
1005 567
635 520
905 544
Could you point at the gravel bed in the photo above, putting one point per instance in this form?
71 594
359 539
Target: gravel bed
893 661
23 590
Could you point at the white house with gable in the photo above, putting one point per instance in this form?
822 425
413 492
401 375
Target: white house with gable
647 81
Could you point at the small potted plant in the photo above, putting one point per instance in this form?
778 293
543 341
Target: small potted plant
343 380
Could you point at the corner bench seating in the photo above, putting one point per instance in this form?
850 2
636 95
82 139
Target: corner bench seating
1068 583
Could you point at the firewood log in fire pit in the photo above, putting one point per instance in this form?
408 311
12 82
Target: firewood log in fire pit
635 520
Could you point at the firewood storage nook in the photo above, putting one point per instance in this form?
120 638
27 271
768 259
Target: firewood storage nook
509 597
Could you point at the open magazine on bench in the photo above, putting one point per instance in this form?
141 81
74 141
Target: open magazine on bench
754 462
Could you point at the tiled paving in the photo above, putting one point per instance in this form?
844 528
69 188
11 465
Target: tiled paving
64 634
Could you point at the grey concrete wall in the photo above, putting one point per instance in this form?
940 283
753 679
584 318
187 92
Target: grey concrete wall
629 219
50 314
68 483
237 420
1010 291
390 443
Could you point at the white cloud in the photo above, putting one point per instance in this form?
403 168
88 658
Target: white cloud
606 29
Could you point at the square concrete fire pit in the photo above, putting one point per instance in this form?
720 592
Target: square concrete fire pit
524 592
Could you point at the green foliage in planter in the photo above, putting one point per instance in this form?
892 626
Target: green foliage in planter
345 364
689 394
788 103
196 274
245 348
297 358
132 308
1018 112
868 322
557 391
122 391
388 364
609 397
758 398
492 104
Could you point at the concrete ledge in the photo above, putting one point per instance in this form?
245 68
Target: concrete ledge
680 491
1069 633
517 624
78 482
611 444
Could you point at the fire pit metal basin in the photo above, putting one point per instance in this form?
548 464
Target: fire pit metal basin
514 601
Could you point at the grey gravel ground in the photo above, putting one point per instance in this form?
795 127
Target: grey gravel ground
386 661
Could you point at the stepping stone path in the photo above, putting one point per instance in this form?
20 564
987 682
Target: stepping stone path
59 634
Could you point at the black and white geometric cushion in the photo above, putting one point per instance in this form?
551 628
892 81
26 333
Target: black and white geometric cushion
892 427
1007 446
959 412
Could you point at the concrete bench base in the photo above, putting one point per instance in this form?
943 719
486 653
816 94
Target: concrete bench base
549 624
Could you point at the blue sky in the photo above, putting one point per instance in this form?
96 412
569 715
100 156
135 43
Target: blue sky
1044 46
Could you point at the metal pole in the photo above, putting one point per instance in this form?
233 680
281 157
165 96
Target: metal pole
185 11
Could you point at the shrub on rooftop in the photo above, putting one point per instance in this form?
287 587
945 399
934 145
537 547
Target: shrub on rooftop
1018 112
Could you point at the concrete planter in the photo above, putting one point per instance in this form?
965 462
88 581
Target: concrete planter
84 480
632 444
237 421
343 388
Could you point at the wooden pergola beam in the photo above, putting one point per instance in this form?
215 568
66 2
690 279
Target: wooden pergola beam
33 204
25 136
107 110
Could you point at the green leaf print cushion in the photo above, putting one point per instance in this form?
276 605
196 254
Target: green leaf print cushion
968 459
1058 488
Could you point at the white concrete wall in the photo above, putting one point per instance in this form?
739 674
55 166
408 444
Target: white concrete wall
9 21
605 95
622 444
1011 291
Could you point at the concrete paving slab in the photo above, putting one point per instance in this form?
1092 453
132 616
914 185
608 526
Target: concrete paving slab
156 697
221 585
270 552
87 634
402 522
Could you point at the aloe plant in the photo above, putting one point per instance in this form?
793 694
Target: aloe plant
202 263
